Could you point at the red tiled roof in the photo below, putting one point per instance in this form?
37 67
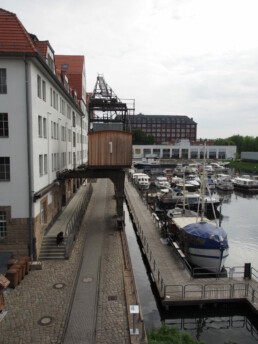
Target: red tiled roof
74 70
14 37
42 48
75 63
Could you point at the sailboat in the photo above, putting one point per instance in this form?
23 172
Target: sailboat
203 242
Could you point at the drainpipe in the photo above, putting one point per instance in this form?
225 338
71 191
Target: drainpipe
81 140
30 193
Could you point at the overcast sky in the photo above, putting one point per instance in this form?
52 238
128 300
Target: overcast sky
197 58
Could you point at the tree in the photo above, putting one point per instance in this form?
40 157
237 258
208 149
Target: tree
140 138
243 143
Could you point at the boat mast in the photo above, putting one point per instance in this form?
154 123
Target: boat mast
183 191
203 181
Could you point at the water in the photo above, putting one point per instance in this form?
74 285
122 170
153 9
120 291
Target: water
212 325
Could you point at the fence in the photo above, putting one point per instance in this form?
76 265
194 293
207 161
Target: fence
74 223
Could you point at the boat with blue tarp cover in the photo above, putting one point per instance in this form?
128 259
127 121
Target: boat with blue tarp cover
203 242
205 245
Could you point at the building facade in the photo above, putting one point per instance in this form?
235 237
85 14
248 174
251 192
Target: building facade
43 130
165 129
249 156
183 149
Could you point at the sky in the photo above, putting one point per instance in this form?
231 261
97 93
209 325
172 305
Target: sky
195 58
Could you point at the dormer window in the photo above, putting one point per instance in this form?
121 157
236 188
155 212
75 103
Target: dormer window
50 63
64 66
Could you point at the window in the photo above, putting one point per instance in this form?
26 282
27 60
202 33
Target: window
74 139
40 126
69 135
45 163
74 120
63 159
62 106
45 127
50 62
39 86
4 132
4 168
41 165
44 90
2 225
3 82
55 100
56 107
51 97
68 111
62 133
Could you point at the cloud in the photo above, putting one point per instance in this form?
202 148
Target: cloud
197 58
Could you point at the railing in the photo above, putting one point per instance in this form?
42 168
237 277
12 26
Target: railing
146 249
196 291
211 291
254 274
74 223
216 323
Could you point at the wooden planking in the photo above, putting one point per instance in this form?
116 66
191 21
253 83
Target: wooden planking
173 281
99 148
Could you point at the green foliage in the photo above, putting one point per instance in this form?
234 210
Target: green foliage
243 143
170 335
140 138
244 166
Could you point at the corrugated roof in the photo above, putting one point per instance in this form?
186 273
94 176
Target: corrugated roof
14 37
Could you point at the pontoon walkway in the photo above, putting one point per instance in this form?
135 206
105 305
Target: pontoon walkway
174 282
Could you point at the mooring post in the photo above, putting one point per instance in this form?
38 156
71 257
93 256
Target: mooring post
134 309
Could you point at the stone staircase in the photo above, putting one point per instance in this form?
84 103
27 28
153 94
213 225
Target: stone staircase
49 249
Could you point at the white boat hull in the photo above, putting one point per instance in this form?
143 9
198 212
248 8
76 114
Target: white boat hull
208 259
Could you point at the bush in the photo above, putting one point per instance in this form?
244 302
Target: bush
170 335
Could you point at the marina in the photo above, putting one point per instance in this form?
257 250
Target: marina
176 286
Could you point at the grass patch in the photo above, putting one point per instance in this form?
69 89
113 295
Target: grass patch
244 166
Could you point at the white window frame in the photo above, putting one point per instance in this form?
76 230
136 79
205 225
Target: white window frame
41 165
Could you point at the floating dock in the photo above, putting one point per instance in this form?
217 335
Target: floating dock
173 280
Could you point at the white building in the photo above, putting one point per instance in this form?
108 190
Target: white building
184 150
43 130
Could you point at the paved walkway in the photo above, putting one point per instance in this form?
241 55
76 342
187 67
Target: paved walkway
49 306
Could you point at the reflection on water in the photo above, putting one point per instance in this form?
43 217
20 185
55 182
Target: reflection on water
239 219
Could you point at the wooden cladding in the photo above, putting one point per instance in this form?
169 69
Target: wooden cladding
110 148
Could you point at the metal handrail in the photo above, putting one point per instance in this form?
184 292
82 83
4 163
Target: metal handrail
246 289
75 221
146 246
254 273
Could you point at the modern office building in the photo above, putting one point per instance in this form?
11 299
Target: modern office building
184 149
165 129
43 130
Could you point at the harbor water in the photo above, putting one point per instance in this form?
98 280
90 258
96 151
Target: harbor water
219 323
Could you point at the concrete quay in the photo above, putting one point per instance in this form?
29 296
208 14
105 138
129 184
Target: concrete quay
81 300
